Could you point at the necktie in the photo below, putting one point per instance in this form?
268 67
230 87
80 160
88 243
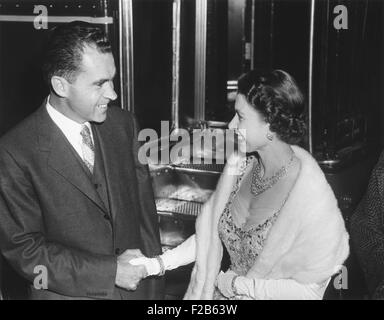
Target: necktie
87 148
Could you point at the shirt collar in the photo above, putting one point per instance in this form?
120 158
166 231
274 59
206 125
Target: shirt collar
66 124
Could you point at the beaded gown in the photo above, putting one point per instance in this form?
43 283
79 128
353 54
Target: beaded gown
243 245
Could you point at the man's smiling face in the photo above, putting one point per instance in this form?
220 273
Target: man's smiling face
92 89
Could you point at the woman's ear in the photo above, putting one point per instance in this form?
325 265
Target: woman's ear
267 128
270 135
60 86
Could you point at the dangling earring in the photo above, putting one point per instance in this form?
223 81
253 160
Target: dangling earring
269 136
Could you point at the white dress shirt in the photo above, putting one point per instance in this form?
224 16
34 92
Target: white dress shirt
70 128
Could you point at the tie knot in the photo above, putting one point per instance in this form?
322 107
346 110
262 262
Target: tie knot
85 131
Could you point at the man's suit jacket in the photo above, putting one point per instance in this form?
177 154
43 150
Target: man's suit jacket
367 232
52 216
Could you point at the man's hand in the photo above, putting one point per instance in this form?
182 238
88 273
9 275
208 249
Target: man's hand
130 254
128 276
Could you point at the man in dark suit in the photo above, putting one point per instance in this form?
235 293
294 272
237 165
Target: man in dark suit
76 205
367 232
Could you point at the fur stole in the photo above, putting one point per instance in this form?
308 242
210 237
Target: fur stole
307 243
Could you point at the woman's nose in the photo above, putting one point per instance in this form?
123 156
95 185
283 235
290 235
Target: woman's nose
233 123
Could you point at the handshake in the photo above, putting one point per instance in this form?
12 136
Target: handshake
133 266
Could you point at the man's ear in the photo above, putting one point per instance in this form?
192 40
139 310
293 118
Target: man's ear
60 85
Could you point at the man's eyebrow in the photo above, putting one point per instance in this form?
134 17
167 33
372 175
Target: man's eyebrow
102 81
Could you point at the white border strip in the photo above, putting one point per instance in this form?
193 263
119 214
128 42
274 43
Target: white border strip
310 73
176 63
57 19
200 57
127 97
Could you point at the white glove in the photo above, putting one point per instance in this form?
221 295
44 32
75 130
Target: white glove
151 265
224 283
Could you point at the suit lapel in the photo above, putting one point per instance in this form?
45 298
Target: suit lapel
62 159
112 158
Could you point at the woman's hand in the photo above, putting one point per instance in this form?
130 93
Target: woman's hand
224 283
151 265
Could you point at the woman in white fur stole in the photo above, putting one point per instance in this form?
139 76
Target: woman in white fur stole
275 212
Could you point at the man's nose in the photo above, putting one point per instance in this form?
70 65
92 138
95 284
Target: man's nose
110 92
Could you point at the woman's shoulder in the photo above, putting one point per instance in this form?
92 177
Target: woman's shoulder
309 168
312 186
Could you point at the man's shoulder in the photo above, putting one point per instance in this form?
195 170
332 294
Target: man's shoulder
116 111
378 171
380 163
22 134
120 117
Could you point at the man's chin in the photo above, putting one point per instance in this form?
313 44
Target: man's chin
100 119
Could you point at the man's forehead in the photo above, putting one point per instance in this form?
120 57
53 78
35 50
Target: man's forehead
95 61
92 56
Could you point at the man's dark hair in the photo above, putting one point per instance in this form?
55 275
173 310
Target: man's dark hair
65 47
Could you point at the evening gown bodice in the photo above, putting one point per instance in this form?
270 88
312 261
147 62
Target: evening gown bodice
243 244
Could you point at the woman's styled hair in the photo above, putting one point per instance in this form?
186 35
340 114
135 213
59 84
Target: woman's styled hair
279 100
65 47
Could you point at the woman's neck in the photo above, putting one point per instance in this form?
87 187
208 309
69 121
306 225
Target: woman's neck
273 156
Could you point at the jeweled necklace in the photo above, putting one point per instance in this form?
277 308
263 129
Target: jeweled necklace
259 185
